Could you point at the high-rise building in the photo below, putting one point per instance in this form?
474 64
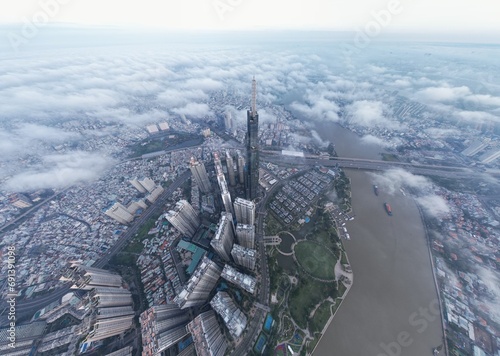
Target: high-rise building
252 143
233 317
87 278
244 211
222 242
207 336
200 174
245 235
154 194
228 122
136 205
199 286
226 196
241 168
490 156
474 148
230 169
184 218
243 256
137 185
244 281
119 213
148 184
162 326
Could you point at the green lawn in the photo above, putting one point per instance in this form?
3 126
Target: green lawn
315 259
320 318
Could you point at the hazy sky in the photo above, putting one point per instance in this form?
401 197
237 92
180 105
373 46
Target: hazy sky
462 16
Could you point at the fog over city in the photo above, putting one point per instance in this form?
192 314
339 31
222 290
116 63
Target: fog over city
336 164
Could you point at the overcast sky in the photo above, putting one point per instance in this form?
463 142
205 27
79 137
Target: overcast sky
458 16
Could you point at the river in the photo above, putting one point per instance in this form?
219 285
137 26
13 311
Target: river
391 307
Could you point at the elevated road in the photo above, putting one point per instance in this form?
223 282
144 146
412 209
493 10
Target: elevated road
372 165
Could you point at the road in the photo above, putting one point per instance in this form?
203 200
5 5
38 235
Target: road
255 324
27 307
374 165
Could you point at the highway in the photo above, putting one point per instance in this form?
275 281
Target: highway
27 307
373 165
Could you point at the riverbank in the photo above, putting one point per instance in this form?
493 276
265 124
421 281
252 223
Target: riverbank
390 257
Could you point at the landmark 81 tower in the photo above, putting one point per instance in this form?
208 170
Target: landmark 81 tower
252 142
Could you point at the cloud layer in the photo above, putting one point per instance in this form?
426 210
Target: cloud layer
393 180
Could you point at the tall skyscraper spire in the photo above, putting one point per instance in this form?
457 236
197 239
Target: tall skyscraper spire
252 143
254 97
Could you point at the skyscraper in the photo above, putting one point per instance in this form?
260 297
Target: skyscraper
243 256
137 185
252 143
207 336
148 184
245 235
200 174
161 327
228 122
119 213
230 169
223 239
199 286
475 147
226 197
241 168
490 156
233 317
244 211
184 218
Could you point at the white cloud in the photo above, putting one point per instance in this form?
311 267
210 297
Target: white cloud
476 117
60 171
436 132
319 106
205 84
369 113
446 94
386 143
394 179
433 205
482 99
194 110
491 279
